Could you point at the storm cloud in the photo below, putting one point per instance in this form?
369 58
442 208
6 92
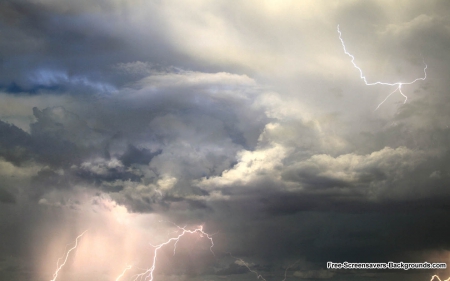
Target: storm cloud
249 119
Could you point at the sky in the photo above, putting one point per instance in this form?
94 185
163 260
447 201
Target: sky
125 119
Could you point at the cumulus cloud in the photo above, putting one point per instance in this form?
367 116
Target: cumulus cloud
350 170
247 119
156 149
251 164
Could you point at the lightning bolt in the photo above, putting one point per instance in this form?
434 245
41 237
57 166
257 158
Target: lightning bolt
123 272
148 274
285 272
398 85
437 277
58 267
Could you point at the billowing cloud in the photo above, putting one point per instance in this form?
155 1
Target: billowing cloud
122 117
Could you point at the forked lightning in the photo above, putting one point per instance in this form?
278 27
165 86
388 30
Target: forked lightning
148 274
398 85
59 266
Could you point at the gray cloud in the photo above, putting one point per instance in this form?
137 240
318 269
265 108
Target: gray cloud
248 119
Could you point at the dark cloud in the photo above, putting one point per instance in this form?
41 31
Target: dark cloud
134 155
247 119
233 268
6 197
15 143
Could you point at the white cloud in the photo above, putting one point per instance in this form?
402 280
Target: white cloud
101 166
252 164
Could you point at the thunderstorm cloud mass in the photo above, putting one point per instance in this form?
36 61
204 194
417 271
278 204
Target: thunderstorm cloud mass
203 140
